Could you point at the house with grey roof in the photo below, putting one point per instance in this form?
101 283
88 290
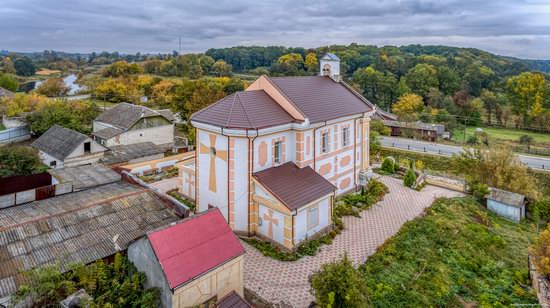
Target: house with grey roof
62 147
125 124
427 131
507 204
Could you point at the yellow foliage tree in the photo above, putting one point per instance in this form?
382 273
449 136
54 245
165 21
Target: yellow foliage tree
22 103
541 252
407 104
311 64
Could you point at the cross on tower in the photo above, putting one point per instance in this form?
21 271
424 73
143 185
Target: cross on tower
221 154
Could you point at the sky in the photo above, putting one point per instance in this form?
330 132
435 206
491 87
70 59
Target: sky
513 28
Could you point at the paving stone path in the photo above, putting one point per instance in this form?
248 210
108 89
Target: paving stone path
166 184
286 283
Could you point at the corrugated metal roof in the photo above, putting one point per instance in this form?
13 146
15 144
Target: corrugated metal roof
246 110
76 227
293 186
59 141
507 197
125 115
209 242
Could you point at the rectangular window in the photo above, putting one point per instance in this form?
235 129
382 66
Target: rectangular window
324 142
312 217
278 152
53 163
345 135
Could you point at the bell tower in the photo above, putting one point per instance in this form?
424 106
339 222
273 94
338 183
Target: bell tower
330 66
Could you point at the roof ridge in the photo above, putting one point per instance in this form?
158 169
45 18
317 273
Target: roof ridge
211 105
232 108
246 113
352 90
285 96
73 146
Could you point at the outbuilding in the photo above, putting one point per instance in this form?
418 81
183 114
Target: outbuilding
507 204
195 261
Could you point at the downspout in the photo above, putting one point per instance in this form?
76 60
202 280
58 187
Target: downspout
228 164
315 146
251 166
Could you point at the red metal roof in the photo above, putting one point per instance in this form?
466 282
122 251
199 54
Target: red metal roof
194 246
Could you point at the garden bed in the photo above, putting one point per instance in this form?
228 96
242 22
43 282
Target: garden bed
348 205
176 195
158 176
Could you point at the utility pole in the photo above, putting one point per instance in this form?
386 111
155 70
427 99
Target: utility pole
180 44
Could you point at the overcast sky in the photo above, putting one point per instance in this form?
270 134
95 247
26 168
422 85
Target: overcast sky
514 28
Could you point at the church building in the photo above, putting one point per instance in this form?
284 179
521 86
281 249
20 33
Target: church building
273 157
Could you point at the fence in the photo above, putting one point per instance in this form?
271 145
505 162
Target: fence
420 148
18 183
35 194
15 134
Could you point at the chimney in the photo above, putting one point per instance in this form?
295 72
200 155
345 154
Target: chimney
330 66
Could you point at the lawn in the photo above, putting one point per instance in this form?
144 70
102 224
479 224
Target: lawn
457 254
506 134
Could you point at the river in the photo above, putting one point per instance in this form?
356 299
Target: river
70 81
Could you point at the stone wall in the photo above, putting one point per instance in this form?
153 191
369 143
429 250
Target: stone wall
540 283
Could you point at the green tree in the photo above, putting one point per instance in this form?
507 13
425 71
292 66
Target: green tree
8 82
449 81
410 178
24 66
388 165
527 140
379 127
339 284
19 160
526 92
122 68
76 115
490 103
311 63
377 87
421 78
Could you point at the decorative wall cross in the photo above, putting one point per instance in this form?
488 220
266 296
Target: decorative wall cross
214 153
190 180
272 221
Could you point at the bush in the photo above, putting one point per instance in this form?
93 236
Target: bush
479 190
472 139
339 284
540 210
541 253
410 178
388 165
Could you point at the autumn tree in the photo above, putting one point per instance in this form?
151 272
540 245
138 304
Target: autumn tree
222 69
541 252
312 63
53 87
162 93
7 66
23 103
526 93
122 68
496 167
112 90
408 104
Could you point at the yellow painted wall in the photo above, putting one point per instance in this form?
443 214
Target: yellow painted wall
219 282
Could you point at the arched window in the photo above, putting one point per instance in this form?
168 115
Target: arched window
326 70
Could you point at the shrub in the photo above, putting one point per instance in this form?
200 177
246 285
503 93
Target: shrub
541 252
479 190
388 165
540 210
472 139
419 165
339 284
410 178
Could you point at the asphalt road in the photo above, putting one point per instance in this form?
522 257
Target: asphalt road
448 150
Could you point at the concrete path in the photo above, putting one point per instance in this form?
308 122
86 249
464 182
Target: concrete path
286 283
534 162
166 184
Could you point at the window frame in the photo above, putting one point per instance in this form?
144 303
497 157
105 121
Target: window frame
324 142
277 152
345 136
310 214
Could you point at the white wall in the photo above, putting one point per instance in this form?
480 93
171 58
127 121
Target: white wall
290 149
301 231
158 135
205 196
48 159
241 188
278 229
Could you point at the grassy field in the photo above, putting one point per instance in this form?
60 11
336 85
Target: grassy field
499 133
456 255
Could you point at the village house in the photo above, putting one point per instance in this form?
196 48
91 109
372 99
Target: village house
61 147
195 261
507 204
426 131
125 124
273 157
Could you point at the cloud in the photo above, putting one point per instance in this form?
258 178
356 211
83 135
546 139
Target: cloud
519 29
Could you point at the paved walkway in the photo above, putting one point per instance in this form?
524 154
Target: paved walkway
166 184
286 283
